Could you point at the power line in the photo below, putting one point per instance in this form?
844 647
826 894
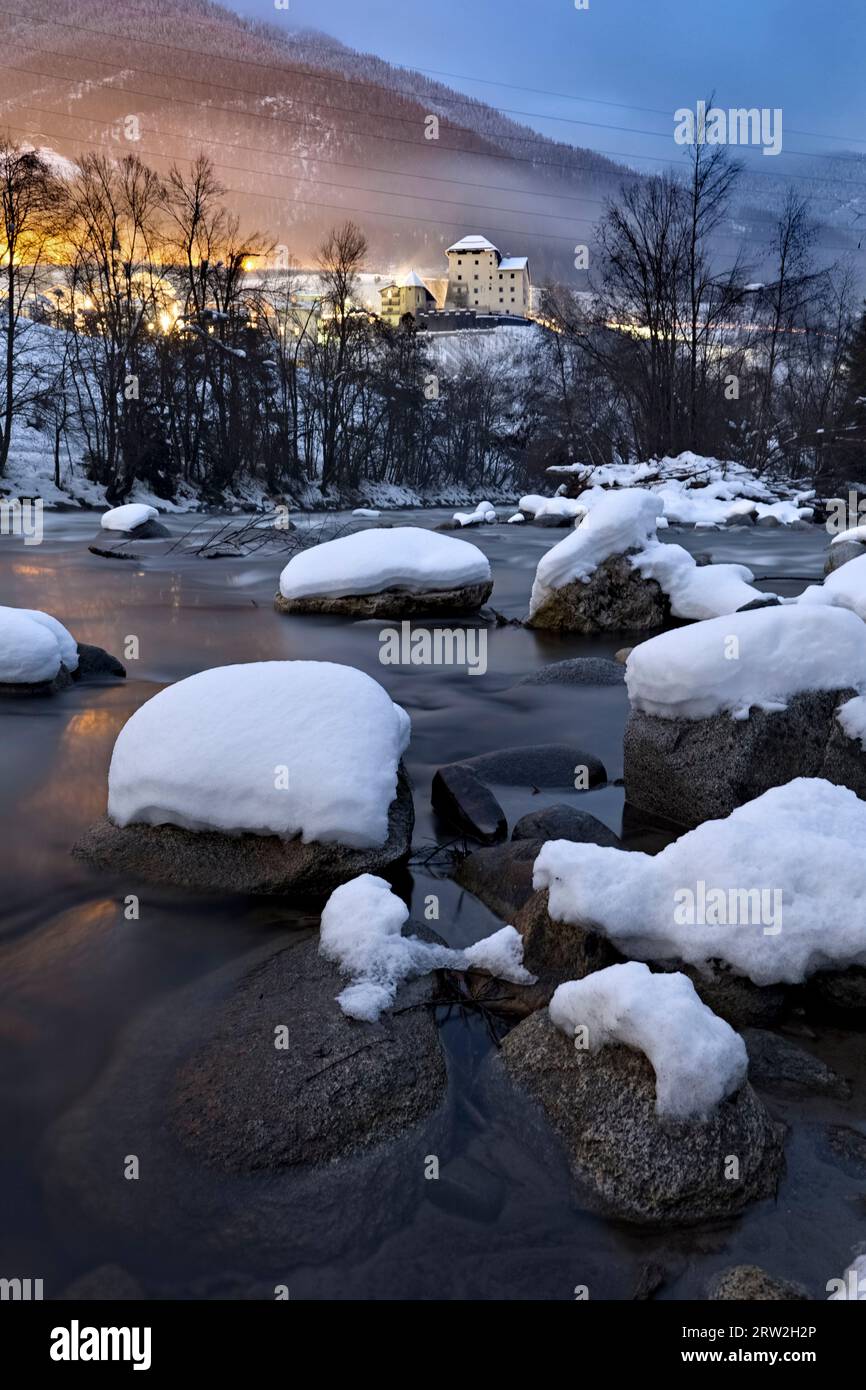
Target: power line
391 91
414 144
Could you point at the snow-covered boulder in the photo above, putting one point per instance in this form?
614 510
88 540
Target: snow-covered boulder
551 511
842 549
725 709
38 655
613 574
267 777
369 513
483 515
743 891
394 573
135 519
646 1090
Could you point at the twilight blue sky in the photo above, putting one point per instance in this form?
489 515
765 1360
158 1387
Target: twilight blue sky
806 56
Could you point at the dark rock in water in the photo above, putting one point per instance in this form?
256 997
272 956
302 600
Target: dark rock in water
448 526
462 799
23 689
847 1147
614 599
243 1105
839 555
768 522
392 604
291 1154
559 951
579 670
93 661
501 876
563 822
692 770
150 530
112 554
625 1161
553 520
212 862
750 1282
467 1189
106 1283
767 601
842 991
776 1064
733 997
539 765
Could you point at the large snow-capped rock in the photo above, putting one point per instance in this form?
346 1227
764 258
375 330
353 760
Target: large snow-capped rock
613 574
600 1103
259 778
34 647
725 709
387 573
746 890
134 519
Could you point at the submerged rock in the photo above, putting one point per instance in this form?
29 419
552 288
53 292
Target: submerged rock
627 1163
579 670
539 765
265 1121
564 822
750 1282
777 1064
614 599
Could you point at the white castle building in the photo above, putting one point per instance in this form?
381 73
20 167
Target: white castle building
480 277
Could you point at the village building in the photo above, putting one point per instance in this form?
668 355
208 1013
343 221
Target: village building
407 296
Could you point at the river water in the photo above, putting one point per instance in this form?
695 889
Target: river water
76 976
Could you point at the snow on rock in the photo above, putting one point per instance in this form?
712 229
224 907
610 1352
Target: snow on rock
852 717
361 932
127 518
33 647
697 491
283 748
513 520
538 507
369 561
485 512
698 1059
740 890
366 511
741 661
622 521
854 533
843 588
696 591
625 520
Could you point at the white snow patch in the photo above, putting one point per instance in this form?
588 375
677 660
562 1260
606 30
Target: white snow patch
742 661
366 511
484 513
33 646
369 561
742 890
852 717
698 1059
283 748
127 518
361 932
854 533
552 506
843 588
513 520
